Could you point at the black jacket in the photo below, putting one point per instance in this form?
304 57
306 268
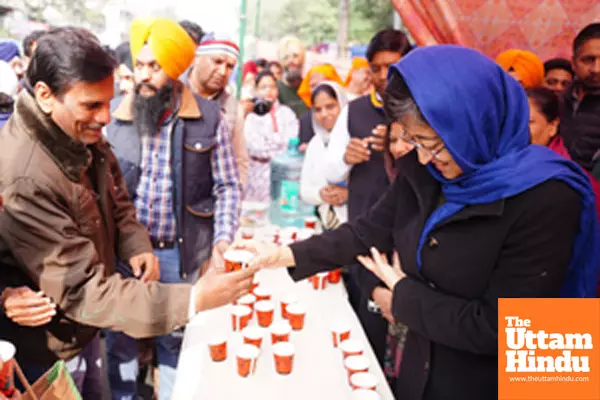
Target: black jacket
516 247
580 126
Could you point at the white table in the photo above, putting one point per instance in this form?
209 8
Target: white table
318 372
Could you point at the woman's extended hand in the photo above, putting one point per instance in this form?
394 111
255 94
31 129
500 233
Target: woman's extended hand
267 255
379 265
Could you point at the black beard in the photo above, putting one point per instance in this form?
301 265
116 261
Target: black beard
148 111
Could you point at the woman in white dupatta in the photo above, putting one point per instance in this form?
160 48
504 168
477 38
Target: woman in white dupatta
328 99
267 136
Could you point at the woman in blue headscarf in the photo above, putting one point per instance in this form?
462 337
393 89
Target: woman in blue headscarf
476 214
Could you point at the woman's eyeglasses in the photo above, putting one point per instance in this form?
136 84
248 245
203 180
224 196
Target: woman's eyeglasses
433 153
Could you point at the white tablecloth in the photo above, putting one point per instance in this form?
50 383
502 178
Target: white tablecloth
318 372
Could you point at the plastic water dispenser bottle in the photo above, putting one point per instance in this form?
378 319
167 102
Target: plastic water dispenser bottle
287 208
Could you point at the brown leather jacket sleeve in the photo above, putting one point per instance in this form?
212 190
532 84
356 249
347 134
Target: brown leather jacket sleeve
47 241
132 237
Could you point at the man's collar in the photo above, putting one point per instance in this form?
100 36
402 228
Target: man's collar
577 91
70 155
188 107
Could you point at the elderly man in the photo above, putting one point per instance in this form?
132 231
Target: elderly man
175 151
216 57
292 54
67 216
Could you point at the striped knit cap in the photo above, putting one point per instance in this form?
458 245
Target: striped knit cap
214 43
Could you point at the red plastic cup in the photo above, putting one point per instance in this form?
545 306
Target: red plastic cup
280 332
247 300
265 311
363 380
253 335
247 233
283 353
319 281
340 331
236 260
356 365
218 348
352 347
247 357
261 293
296 315
285 302
335 276
240 317
7 366
310 222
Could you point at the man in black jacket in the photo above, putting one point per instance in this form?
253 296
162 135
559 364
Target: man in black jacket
580 124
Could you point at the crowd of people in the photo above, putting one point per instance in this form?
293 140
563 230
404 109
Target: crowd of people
442 179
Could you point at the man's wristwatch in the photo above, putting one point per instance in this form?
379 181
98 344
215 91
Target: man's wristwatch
373 307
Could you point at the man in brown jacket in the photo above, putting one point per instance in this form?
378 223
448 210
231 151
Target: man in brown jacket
67 215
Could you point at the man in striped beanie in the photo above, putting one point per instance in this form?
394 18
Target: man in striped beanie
216 58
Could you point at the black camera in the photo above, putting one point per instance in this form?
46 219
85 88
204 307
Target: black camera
261 106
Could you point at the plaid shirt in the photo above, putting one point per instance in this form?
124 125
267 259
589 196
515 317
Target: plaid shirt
227 189
154 201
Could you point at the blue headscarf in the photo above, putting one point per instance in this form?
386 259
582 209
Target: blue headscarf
8 51
482 116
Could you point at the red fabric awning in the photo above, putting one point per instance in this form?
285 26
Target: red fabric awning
546 27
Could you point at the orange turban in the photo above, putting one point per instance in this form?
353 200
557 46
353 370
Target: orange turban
529 66
326 70
172 47
357 63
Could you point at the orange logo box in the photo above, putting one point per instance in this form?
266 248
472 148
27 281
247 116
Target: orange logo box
549 349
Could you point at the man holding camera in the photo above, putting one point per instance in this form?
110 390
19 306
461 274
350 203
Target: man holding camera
216 57
174 149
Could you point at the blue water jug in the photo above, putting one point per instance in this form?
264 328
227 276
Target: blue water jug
287 208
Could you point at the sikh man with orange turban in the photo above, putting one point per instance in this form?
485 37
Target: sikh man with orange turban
523 65
175 151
